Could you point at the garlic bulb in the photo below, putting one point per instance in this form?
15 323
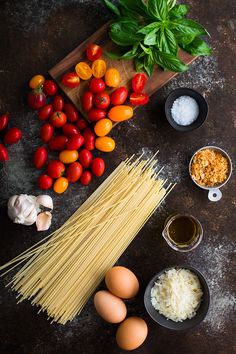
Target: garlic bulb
23 209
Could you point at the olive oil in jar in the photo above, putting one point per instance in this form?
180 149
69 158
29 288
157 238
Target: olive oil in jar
182 232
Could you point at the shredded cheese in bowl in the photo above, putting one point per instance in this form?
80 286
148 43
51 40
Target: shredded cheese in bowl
177 294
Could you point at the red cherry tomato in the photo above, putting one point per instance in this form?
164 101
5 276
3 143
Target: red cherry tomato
119 96
45 182
138 99
40 157
97 85
138 82
45 112
75 142
87 101
98 166
12 136
58 119
96 114
56 168
86 178
3 153
36 98
70 130
58 143
89 139
58 103
102 100
74 172
82 124
85 157
3 121
93 52
71 80
46 132
71 112
49 88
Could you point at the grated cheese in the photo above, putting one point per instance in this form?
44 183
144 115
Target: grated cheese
177 294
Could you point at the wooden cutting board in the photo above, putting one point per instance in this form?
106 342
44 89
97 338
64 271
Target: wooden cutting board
126 68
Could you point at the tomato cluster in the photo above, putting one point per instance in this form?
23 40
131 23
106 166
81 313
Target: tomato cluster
66 133
10 136
104 102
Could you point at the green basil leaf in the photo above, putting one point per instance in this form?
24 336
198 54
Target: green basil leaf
111 7
137 6
186 26
169 61
171 3
167 42
124 32
149 28
197 47
158 9
178 11
183 39
139 63
151 38
145 50
148 65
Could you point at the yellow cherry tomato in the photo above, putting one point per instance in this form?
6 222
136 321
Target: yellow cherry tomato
60 185
103 127
99 68
112 77
105 144
120 113
36 81
83 70
68 156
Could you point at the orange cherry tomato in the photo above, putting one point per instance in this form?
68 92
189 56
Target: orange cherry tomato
68 156
36 81
105 144
60 185
99 68
112 77
83 70
103 127
120 113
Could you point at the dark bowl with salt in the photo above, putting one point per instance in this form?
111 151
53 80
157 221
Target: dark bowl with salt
186 109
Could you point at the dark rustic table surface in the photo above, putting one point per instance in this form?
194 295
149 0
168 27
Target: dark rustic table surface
35 35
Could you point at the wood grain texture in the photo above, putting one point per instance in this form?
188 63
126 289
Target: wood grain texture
126 68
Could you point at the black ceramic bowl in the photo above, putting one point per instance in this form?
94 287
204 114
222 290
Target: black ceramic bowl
186 324
202 103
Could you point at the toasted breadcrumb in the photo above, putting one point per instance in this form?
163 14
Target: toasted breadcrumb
209 168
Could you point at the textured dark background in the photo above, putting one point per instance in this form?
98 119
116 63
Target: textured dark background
35 35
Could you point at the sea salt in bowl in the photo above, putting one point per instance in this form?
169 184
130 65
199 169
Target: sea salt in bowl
199 112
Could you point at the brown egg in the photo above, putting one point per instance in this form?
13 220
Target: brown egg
109 307
131 333
122 282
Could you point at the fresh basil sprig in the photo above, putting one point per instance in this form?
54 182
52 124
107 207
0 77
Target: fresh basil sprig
152 31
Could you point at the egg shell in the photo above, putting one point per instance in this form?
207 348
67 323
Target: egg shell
110 307
131 333
122 282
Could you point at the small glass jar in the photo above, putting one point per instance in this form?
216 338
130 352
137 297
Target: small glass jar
194 239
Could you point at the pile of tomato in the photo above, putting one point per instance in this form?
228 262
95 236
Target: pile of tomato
104 102
63 131
9 137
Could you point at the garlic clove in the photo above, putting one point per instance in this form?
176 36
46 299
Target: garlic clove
43 221
22 209
45 200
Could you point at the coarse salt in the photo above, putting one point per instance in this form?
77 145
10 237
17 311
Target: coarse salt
185 110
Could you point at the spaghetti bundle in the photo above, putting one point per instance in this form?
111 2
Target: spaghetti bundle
61 274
